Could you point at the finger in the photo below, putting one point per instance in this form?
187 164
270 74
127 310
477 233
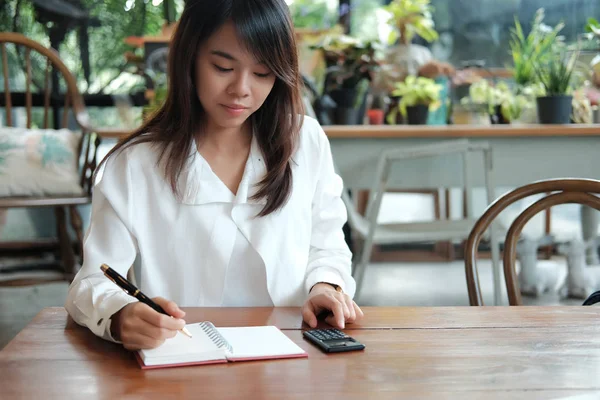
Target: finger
155 332
160 320
342 298
337 309
351 311
332 320
137 340
308 315
359 312
170 307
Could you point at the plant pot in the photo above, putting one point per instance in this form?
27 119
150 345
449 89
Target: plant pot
554 109
393 107
417 115
375 117
347 99
346 116
497 118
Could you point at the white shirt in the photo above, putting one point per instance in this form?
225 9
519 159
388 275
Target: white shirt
188 245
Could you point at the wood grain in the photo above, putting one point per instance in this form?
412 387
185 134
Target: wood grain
289 318
549 358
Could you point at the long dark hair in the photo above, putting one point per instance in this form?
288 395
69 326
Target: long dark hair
265 28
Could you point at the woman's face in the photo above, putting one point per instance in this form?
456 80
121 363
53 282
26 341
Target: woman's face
230 83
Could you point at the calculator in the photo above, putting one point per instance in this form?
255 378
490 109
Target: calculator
333 340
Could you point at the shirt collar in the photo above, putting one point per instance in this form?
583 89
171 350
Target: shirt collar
200 185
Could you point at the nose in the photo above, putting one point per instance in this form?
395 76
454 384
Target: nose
240 87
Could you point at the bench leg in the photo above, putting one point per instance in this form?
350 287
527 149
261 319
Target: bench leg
77 225
66 249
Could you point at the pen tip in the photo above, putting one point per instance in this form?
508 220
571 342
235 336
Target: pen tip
104 267
186 332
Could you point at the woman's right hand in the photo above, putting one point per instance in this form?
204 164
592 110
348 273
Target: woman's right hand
138 326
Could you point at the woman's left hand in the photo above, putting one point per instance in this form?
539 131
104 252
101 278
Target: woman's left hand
324 297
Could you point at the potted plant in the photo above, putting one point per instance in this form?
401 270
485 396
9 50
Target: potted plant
535 48
500 102
417 96
350 65
406 18
555 75
409 18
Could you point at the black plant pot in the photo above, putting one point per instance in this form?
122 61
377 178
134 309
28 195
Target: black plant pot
346 116
417 115
346 100
554 109
344 97
497 118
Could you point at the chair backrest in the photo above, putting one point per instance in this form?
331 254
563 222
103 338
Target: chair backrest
48 61
461 147
562 191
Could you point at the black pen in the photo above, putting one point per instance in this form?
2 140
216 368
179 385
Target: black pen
131 290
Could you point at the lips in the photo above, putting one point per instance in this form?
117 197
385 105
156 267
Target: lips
235 107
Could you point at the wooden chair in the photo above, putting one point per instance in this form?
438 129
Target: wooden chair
87 146
558 191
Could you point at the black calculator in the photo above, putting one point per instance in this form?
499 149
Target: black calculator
333 340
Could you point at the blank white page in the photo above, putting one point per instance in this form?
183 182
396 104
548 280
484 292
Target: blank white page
181 348
256 342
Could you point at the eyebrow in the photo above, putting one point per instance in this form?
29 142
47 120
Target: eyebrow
223 54
229 56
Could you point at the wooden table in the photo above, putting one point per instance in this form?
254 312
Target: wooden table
445 352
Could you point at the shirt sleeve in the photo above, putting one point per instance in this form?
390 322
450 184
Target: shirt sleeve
92 298
330 259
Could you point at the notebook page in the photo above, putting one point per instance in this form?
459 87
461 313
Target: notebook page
182 349
258 342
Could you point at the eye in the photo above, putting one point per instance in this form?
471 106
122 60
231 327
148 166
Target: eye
263 75
221 69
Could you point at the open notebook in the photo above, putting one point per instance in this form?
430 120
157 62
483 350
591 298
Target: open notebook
210 345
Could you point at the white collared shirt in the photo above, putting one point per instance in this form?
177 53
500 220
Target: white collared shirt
188 245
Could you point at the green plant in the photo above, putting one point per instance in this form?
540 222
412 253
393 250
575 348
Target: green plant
158 95
593 27
312 14
512 107
556 74
410 18
535 48
349 60
417 91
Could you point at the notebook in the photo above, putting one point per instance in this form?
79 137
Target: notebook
211 345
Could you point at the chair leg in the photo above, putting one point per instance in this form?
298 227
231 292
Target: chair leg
77 224
66 249
361 266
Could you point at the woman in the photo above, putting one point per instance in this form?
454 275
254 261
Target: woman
227 194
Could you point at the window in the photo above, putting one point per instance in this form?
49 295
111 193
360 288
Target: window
314 14
480 29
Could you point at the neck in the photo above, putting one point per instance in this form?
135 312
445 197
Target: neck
226 140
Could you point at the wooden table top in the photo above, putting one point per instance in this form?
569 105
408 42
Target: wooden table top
435 131
442 352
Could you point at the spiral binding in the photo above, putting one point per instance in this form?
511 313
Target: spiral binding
214 335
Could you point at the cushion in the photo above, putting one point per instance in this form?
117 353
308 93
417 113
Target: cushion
38 162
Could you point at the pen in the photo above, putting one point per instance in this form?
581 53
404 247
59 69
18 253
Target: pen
131 290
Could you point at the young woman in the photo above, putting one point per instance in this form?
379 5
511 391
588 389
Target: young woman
227 194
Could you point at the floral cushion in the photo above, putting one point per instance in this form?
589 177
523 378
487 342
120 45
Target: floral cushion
38 162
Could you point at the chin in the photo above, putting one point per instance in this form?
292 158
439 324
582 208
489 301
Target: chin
232 122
